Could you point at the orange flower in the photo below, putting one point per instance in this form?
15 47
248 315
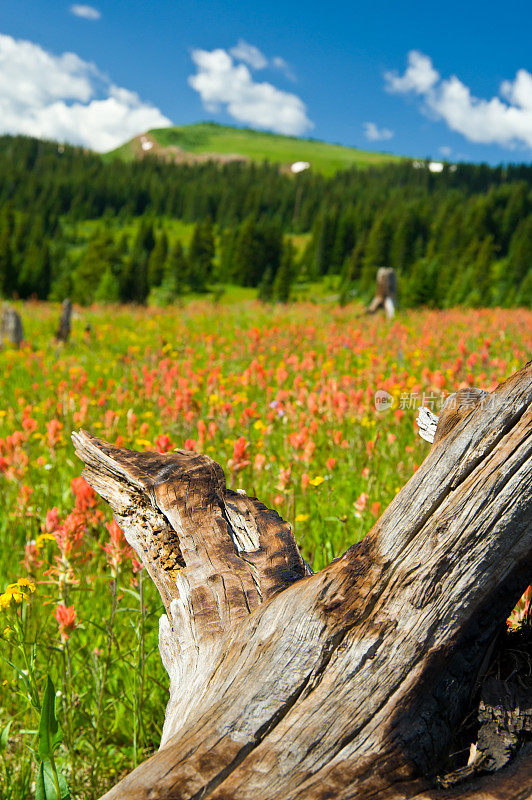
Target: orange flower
117 549
163 443
360 504
240 458
54 428
67 619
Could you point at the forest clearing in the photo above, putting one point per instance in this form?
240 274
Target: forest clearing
284 398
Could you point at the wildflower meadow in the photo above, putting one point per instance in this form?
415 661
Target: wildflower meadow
284 398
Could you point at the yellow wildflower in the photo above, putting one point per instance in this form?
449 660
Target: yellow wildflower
30 585
42 538
317 480
301 517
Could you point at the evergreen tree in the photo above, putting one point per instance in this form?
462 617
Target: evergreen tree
519 261
134 286
108 289
245 253
285 274
99 258
376 252
7 272
265 289
157 260
176 271
200 255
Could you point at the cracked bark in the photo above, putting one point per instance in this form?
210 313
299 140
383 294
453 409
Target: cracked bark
348 683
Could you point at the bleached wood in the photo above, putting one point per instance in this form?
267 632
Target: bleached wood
11 327
385 292
343 684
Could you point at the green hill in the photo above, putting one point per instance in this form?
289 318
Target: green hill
209 141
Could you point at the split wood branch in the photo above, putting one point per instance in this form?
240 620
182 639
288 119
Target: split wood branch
286 685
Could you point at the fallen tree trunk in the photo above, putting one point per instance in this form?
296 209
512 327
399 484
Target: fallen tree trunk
348 683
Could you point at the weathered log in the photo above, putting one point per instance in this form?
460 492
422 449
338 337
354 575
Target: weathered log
63 331
11 327
344 684
385 292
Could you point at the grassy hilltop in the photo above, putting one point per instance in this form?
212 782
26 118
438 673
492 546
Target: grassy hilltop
196 142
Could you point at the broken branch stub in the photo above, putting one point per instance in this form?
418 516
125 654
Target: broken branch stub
215 555
343 684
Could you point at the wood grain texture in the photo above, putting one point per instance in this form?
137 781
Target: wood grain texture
343 684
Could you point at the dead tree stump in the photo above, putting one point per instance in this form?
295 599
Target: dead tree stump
348 683
385 292
11 328
63 331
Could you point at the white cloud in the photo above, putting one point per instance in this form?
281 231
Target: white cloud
256 59
284 66
66 98
250 54
223 84
419 77
492 121
375 134
85 12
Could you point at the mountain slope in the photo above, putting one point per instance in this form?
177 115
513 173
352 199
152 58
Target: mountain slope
209 141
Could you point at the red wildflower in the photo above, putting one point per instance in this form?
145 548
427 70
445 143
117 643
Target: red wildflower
240 458
163 443
67 619
117 550
54 428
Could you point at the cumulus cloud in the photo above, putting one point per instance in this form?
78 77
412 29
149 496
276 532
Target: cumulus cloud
224 84
420 76
256 59
375 134
85 12
66 98
284 66
250 54
507 121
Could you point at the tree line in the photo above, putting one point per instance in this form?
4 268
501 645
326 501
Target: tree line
462 236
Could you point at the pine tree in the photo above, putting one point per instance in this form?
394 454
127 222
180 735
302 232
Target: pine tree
285 274
519 260
7 275
99 257
156 260
176 271
376 251
245 253
200 255
108 289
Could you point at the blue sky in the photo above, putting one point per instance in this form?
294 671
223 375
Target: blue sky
441 80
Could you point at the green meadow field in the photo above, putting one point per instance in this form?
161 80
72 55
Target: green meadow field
258 146
283 397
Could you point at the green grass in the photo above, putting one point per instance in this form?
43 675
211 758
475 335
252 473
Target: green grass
258 146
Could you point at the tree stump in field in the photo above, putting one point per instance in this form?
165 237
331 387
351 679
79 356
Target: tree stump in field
347 683
63 331
11 328
385 292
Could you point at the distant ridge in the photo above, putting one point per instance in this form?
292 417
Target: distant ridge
210 141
